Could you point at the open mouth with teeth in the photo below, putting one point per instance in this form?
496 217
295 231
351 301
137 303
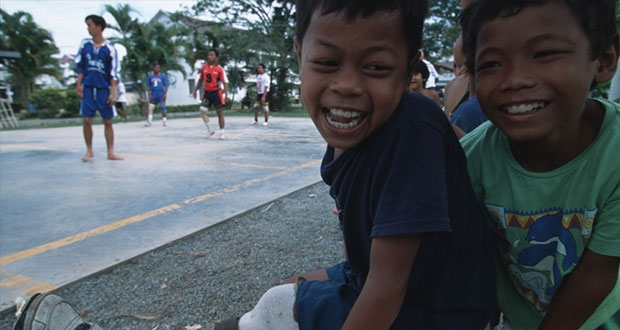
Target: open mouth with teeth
343 119
524 108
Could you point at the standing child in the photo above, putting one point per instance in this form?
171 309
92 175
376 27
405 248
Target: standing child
418 250
97 69
546 166
262 88
211 74
121 100
157 85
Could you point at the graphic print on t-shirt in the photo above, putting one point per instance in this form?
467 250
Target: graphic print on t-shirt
545 246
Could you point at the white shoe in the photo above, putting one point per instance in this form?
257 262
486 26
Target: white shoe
265 124
254 123
222 136
210 134
147 125
164 124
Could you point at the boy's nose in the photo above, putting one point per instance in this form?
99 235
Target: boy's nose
517 77
347 82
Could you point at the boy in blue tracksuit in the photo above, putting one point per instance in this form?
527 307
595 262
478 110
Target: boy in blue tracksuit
97 65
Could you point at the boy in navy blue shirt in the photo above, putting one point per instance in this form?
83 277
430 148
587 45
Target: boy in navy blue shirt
418 251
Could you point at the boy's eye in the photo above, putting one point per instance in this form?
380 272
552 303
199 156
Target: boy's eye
488 65
546 53
327 63
376 67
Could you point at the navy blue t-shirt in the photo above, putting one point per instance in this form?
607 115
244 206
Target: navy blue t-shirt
410 177
468 115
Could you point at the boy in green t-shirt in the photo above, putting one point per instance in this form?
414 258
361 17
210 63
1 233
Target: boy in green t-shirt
546 165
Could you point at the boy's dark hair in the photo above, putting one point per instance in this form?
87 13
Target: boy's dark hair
413 12
421 68
217 53
596 18
262 65
97 20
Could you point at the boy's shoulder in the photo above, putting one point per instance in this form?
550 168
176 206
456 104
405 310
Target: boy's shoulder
415 108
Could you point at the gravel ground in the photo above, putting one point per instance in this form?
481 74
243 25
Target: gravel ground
214 274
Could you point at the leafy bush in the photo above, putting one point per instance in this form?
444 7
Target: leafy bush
48 102
72 104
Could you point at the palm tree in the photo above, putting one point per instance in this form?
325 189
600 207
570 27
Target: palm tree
146 44
18 32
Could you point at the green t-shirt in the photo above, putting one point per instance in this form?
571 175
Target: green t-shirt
543 221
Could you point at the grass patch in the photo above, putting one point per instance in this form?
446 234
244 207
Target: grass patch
293 112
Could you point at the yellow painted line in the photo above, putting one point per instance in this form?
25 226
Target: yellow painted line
23 283
138 218
192 160
249 183
82 236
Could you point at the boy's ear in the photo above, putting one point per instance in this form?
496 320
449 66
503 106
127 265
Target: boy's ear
608 62
298 51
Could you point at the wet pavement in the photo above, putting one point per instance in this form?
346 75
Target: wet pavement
62 219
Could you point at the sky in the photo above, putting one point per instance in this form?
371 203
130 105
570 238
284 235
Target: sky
65 18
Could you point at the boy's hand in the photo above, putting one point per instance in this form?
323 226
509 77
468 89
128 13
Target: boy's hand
112 96
582 291
391 260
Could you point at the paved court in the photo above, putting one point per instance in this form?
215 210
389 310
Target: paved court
62 219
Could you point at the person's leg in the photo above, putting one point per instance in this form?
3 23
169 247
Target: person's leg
162 105
205 120
256 107
49 311
123 111
109 138
149 117
266 110
274 310
88 138
220 118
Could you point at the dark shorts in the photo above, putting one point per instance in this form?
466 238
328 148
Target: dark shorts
158 99
96 99
213 98
325 304
120 105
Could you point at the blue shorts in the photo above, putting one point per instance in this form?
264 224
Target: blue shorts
213 98
96 99
325 304
158 99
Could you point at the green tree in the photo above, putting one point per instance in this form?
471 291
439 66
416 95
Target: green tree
146 44
18 32
269 29
441 28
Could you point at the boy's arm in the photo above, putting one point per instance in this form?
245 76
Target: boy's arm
582 291
197 86
391 260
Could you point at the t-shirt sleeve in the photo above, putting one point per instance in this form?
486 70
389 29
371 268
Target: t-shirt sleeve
410 183
224 78
606 232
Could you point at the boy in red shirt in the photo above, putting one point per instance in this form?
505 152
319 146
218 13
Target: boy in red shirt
211 74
